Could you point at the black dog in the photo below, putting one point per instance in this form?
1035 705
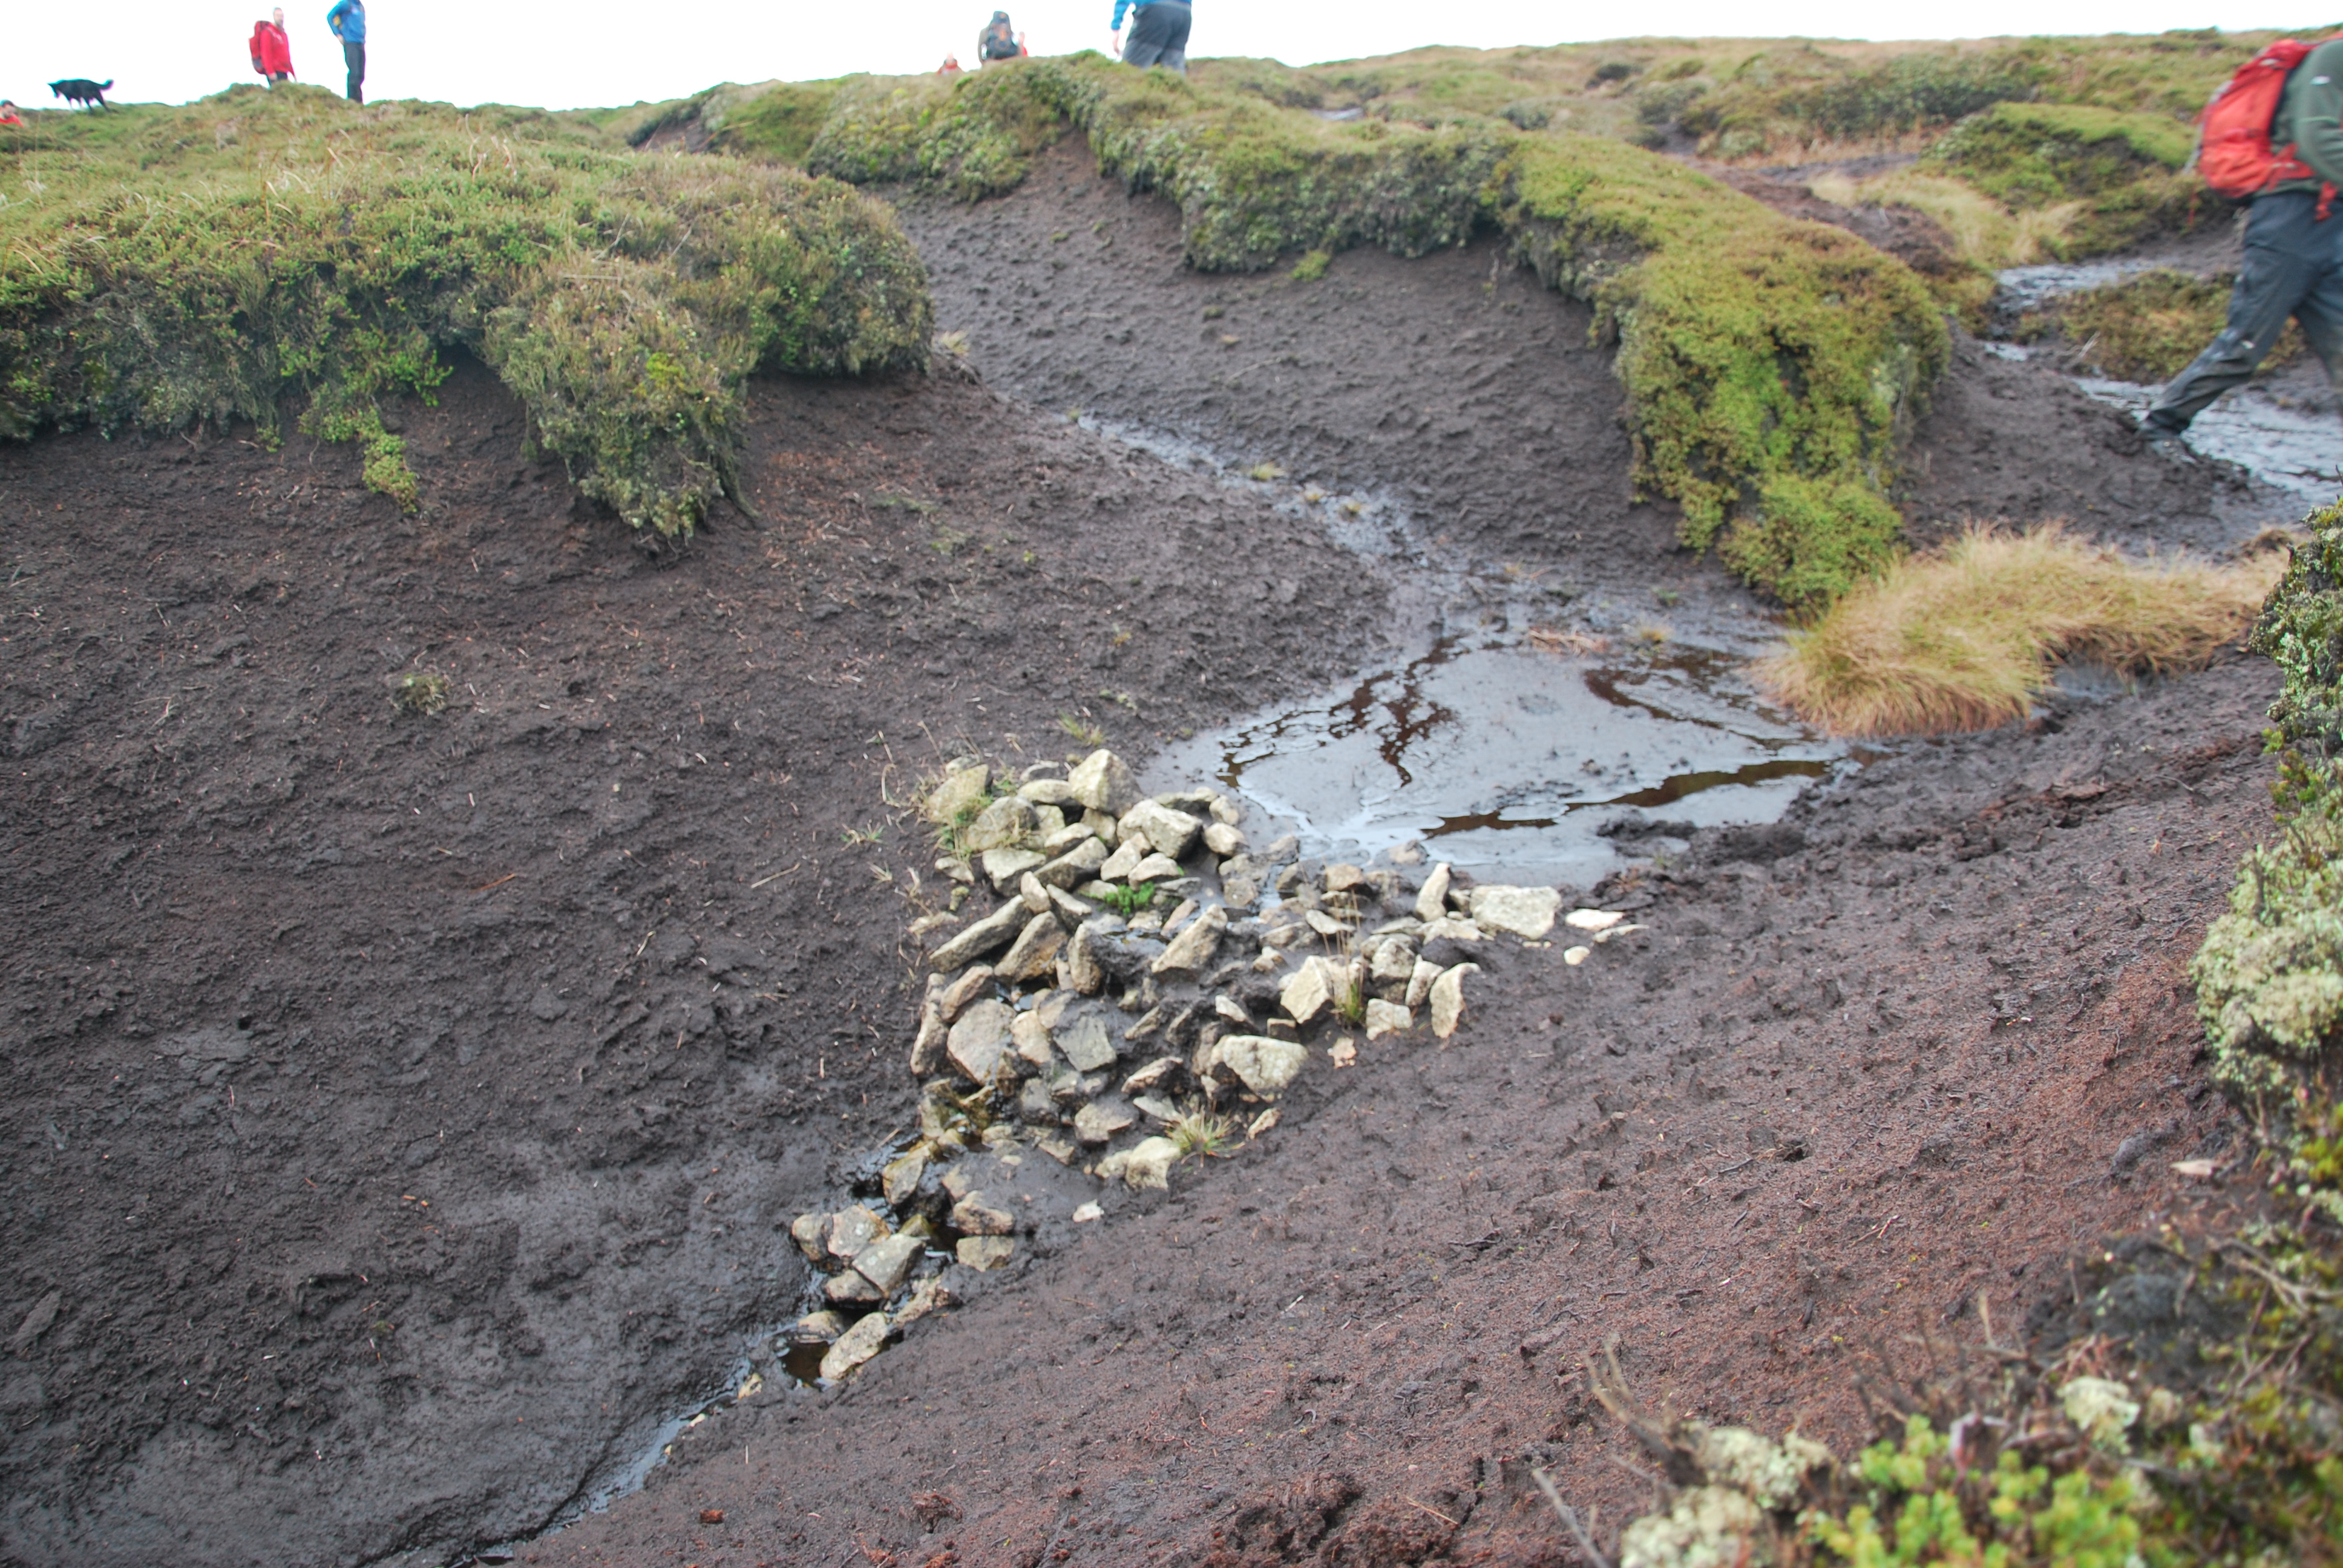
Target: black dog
82 90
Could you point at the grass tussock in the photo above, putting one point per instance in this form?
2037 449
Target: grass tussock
276 257
1965 638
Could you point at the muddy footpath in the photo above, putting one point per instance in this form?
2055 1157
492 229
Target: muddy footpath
411 1109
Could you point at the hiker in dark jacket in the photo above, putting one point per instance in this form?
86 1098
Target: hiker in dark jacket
347 21
999 41
1158 34
2294 256
272 51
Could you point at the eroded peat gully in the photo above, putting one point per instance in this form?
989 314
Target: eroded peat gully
410 1109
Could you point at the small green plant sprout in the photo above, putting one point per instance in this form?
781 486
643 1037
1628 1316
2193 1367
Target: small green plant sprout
1666 597
1120 698
904 503
1082 731
1350 1004
954 343
1127 901
1203 1136
862 837
1264 472
1312 267
946 541
419 692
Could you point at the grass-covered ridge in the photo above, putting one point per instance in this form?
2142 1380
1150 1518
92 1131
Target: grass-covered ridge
266 256
1770 365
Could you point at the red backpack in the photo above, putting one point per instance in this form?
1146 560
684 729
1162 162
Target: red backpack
2233 141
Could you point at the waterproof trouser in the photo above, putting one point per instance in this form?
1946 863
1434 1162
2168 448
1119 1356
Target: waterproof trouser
353 56
2294 267
1159 36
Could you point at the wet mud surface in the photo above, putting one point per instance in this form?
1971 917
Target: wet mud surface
2015 440
405 1108
1456 383
599 965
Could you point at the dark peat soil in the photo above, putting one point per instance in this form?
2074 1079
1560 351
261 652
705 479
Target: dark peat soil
402 1109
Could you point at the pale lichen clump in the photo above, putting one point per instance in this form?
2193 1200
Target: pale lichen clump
2269 976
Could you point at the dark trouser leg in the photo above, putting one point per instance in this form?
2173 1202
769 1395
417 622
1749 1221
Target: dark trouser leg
1175 37
2290 255
1159 36
2321 310
353 56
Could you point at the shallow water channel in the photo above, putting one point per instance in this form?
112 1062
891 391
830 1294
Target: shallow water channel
1502 753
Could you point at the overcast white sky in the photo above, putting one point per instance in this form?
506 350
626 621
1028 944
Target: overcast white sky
567 54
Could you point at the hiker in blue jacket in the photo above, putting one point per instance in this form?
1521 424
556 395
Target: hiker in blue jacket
1158 34
347 21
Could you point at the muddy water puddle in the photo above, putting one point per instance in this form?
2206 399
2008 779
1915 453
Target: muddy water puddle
1509 747
1502 753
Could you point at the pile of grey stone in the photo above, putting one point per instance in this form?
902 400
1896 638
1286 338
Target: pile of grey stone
1124 983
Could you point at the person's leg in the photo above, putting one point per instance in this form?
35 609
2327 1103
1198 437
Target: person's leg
1144 44
353 56
1137 50
2282 265
1175 35
2321 310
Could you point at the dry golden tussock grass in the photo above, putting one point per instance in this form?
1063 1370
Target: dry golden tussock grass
1965 636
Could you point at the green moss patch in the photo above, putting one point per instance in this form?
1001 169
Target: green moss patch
261 256
1770 364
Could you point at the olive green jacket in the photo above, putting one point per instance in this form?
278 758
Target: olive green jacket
2310 116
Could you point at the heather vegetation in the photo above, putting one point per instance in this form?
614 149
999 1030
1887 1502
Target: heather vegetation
288 256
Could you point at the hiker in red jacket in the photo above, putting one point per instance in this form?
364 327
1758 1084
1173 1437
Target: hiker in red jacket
272 51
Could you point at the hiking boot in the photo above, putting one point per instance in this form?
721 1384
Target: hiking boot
2168 444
